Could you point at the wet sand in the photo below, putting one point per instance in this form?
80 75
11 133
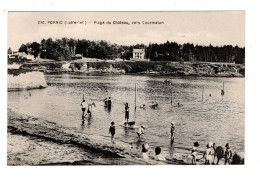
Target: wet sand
27 150
33 141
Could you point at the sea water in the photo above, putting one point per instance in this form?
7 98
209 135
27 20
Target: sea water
205 115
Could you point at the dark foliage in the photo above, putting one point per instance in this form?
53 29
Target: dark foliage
66 49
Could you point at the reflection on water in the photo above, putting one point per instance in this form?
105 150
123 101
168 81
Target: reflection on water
217 118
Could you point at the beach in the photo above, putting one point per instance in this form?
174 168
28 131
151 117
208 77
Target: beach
33 141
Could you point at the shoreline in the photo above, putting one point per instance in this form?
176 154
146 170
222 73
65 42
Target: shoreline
104 152
123 153
138 74
154 68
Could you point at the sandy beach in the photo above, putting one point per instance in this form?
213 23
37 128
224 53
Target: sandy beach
28 137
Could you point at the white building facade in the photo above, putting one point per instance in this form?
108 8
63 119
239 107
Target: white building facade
138 53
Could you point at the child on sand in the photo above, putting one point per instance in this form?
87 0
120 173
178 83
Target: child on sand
228 154
144 154
194 152
158 154
112 131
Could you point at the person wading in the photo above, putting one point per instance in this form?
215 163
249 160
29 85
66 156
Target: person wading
126 112
83 107
140 132
173 130
112 131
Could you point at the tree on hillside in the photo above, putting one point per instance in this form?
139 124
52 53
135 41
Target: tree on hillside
72 46
64 49
23 48
35 49
83 47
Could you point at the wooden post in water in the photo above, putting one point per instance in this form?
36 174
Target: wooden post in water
83 97
222 91
135 96
171 93
202 93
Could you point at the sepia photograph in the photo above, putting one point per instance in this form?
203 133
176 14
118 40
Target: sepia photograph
125 88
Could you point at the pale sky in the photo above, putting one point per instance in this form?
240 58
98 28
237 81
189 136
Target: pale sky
203 28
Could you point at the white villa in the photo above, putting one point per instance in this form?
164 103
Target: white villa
138 53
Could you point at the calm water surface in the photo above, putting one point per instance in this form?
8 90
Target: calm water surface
217 118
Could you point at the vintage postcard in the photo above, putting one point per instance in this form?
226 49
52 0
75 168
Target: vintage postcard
126 88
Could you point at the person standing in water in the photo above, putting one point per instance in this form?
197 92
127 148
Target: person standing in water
105 100
112 131
83 107
109 103
140 132
126 112
89 112
173 129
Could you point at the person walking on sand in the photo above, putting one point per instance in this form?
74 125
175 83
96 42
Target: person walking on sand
83 107
173 130
140 132
228 154
126 112
194 152
112 131
158 155
144 151
208 154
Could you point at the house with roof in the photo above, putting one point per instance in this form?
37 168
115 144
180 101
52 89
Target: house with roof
138 53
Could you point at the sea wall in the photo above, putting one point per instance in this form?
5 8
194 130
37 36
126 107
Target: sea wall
26 81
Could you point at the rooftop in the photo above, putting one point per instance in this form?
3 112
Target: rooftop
138 50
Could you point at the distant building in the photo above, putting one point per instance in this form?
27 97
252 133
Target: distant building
138 53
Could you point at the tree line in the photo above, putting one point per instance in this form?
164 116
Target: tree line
66 49
171 51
